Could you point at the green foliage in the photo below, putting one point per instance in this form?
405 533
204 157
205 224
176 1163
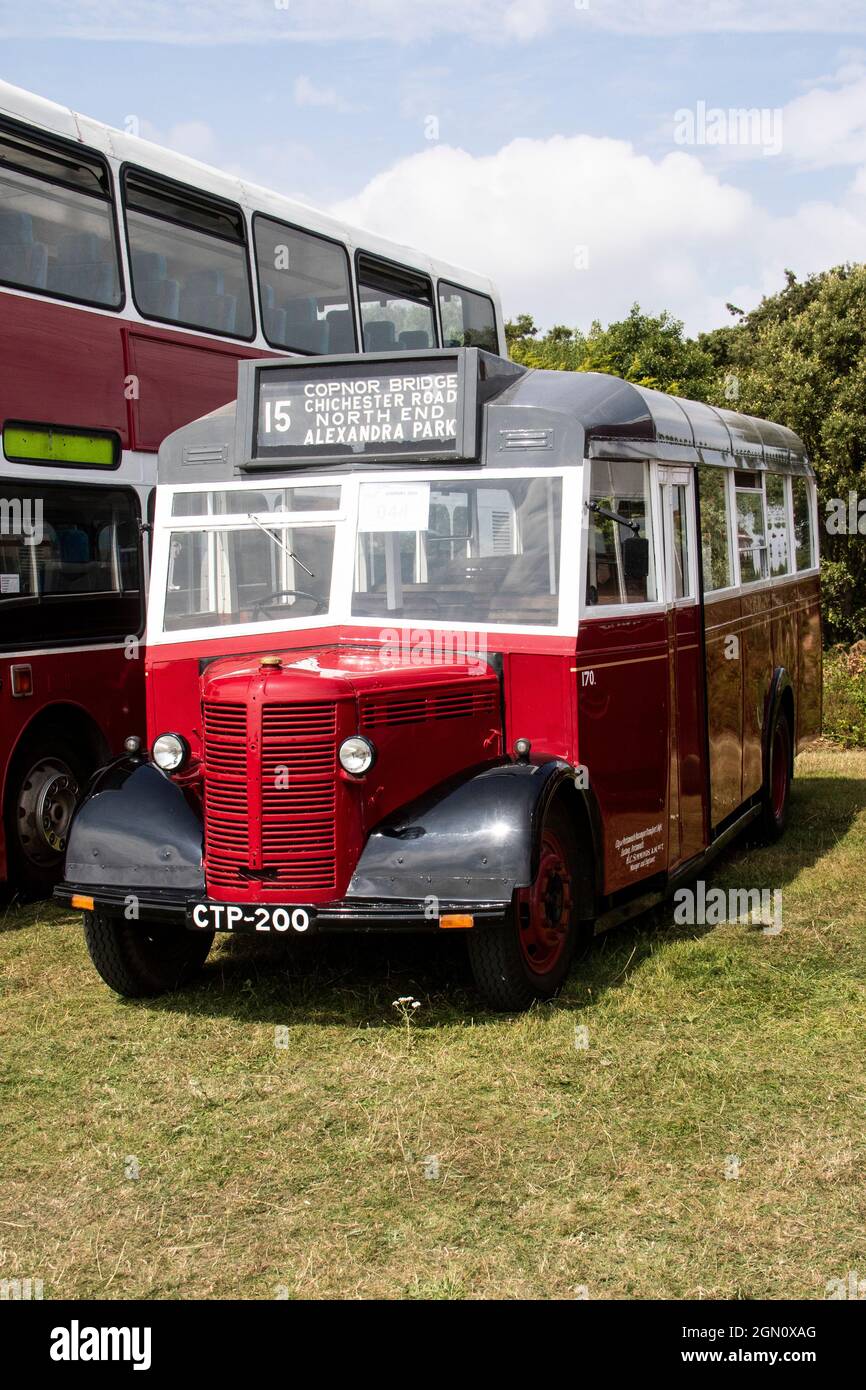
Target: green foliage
798 358
845 695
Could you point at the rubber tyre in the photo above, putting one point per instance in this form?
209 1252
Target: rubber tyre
139 960
500 964
34 875
776 793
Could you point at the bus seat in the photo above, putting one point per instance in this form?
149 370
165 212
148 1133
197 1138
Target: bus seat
341 331
380 335
81 269
155 293
205 303
304 329
412 339
22 260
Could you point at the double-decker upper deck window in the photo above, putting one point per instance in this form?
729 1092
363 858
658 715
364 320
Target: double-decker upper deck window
751 527
304 289
56 220
619 561
715 528
803 542
779 550
396 307
468 319
188 257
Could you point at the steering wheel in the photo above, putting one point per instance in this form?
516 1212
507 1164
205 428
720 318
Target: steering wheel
320 605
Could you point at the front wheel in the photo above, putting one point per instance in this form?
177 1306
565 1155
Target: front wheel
528 957
137 960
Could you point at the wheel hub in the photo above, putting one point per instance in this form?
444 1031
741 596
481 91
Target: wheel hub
48 797
545 911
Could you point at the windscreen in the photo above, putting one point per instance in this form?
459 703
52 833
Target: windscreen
460 552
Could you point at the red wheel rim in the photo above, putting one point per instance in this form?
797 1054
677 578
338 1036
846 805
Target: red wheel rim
779 772
545 909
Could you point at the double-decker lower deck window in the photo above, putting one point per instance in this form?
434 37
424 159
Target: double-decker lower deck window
69 564
56 221
473 552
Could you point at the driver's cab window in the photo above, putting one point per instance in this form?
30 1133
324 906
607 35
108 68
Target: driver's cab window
619 562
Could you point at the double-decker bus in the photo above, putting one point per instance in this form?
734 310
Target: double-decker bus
132 280
442 643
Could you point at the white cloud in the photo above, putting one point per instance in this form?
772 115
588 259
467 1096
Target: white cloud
666 232
307 93
404 21
193 138
827 125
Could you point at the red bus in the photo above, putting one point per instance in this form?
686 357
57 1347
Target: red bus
442 643
132 280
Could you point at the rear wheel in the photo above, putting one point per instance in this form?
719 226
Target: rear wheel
137 960
777 787
529 955
45 783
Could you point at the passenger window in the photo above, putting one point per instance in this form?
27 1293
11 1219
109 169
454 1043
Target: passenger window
804 553
751 527
619 562
304 289
777 523
69 562
396 307
188 257
715 528
56 221
468 319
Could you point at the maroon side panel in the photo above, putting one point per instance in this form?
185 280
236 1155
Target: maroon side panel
757 658
725 704
540 702
623 702
808 615
690 746
179 379
61 365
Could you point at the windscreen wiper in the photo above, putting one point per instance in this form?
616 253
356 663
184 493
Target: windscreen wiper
276 540
633 526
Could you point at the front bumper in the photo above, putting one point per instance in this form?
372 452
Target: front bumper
341 916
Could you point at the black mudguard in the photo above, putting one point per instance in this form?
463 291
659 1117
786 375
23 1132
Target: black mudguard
779 684
135 829
471 841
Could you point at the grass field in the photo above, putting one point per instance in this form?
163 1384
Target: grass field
464 1154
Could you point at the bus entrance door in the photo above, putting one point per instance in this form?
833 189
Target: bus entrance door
686 800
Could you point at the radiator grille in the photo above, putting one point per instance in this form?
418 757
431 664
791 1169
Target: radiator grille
296 795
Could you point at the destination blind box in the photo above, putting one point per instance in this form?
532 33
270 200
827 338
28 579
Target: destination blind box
415 407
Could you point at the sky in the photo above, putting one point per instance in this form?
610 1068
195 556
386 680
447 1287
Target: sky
585 154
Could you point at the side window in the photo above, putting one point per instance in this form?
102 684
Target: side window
715 528
804 551
619 562
751 527
57 221
468 319
188 257
70 561
304 289
396 307
775 488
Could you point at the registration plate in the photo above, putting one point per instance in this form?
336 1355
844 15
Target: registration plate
251 917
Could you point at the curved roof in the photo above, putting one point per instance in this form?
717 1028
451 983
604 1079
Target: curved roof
622 420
